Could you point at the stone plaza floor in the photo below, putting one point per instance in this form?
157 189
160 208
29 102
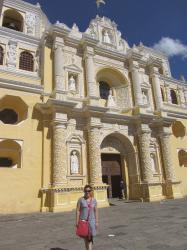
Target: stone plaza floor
124 225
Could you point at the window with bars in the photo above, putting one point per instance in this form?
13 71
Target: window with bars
1 55
26 61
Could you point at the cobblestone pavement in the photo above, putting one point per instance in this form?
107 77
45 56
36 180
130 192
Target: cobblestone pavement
134 226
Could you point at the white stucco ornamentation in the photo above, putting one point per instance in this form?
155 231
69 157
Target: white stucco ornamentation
30 21
12 54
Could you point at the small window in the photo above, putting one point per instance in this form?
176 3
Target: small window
1 55
104 90
26 61
8 116
6 162
173 96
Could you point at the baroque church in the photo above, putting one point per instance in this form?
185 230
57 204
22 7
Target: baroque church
85 107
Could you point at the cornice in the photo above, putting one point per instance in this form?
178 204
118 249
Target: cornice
21 86
20 73
114 54
171 79
22 5
19 36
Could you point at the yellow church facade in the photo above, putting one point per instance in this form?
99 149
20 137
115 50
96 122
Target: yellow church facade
83 107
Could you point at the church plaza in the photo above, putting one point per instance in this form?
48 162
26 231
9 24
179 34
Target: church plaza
134 226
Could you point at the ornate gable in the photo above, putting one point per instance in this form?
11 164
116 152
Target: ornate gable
106 32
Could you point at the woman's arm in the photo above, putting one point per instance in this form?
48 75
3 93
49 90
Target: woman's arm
96 215
77 213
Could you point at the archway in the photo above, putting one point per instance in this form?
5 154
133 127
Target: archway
13 20
119 163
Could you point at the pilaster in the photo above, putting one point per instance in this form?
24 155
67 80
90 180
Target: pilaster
58 46
136 80
90 72
156 87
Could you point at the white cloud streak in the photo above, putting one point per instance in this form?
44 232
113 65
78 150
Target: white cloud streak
171 47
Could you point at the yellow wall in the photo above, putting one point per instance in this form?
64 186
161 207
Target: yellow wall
20 187
181 171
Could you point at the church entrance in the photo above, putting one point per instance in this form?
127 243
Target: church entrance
112 173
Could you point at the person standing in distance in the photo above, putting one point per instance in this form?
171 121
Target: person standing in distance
87 205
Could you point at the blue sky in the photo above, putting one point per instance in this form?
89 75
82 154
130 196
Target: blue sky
148 21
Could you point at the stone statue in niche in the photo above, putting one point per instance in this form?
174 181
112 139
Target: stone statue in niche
12 54
111 100
30 21
74 161
106 38
72 83
153 163
144 98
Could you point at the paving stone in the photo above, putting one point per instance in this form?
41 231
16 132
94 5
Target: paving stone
135 225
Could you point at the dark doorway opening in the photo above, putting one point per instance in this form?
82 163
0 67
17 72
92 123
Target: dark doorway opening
112 173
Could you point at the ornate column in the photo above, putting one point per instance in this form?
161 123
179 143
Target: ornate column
164 136
94 136
144 135
168 92
182 95
172 185
185 95
156 87
136 80
59 150
59 64
90 72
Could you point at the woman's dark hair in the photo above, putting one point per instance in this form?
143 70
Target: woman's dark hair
88 186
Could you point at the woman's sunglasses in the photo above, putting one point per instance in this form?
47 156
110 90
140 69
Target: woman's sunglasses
88 191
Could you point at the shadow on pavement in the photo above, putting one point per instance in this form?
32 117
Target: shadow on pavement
58 248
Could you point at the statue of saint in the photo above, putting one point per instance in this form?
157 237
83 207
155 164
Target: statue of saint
74 163
111 101
144 98
106 38
153 166
72 84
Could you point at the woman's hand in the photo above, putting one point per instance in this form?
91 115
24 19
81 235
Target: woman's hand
97 225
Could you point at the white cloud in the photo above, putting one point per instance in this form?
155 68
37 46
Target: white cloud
171 47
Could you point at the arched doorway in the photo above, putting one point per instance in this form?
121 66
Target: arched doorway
119 163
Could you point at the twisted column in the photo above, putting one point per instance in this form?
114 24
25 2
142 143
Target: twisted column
95 156
59 154
144 144
166 153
